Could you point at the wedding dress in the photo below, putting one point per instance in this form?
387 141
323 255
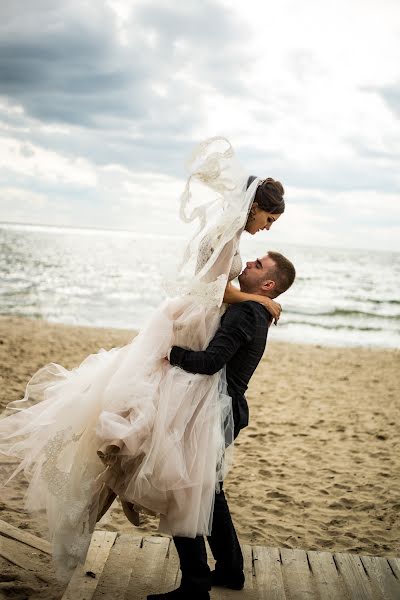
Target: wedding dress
125 422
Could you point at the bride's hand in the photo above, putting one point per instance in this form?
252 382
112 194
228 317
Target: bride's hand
233 295
274 308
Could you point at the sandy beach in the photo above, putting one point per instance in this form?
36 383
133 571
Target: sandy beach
318 467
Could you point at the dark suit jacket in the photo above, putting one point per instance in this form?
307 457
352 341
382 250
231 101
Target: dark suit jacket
239 344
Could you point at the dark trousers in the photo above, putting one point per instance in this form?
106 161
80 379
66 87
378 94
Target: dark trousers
224 545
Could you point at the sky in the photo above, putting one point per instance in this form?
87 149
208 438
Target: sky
101 102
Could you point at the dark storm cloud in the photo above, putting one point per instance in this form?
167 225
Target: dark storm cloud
65 70
68 66
64 64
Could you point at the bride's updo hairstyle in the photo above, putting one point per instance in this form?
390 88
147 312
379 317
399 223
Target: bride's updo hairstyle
269 195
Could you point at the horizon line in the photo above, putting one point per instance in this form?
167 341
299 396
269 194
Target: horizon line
119 230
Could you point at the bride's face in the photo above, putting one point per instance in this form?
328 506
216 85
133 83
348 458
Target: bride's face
259 219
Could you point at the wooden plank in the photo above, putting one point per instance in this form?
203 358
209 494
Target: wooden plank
24 536
327 579
150 566
84 581
114 579
248 592
218 593
25 557
297 577
395 565
222 593
268 570
249 572
172 574
382 575
355 578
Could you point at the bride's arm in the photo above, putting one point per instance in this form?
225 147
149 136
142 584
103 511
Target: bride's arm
233 295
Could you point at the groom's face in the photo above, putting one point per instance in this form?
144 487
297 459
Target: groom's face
255 274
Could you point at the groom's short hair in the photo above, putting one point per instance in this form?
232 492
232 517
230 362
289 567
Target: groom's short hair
283 273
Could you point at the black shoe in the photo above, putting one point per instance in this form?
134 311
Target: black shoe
180 594
233 582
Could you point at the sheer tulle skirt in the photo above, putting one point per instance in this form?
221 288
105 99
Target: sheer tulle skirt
124 422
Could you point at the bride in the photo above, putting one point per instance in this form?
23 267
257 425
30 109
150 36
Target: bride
125 422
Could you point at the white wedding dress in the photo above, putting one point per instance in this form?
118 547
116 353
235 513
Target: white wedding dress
125 422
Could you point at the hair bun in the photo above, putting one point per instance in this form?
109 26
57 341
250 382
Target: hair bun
269 196
274 185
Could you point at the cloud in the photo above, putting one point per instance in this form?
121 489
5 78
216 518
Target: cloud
69 66
102 101
28 160
391 96
68 70
353 219
137 103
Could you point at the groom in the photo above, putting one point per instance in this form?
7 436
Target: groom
239 344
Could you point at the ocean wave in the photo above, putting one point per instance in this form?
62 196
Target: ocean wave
375 300
343 312
333 327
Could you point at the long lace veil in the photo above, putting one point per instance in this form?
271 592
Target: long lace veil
217 197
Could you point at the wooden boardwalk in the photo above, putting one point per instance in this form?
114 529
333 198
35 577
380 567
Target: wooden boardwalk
127 567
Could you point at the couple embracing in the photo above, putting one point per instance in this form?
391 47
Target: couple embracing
157 432
238 345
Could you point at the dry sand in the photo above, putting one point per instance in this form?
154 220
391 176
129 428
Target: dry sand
318 468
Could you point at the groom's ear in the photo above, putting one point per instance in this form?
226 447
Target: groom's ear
268 285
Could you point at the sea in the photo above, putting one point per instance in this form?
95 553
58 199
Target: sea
109 278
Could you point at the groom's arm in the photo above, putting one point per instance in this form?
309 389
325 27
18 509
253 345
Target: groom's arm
237 328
